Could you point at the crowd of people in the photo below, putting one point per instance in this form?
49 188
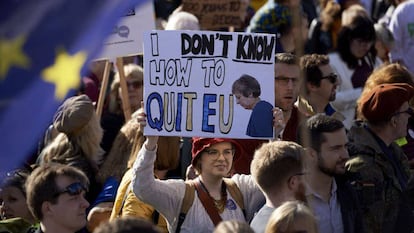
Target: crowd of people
341 159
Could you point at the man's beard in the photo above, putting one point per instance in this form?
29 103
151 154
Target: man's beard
328 171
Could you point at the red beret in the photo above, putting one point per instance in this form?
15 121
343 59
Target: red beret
200 144
384 100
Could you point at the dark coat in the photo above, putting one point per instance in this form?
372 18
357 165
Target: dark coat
384 202
350 208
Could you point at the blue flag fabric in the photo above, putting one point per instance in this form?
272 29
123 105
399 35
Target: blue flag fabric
44 46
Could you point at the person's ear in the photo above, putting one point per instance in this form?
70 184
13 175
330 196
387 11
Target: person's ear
293 182
311 153
393 121
310 87
47 208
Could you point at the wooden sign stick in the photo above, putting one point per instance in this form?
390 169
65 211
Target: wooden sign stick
102 92
124 89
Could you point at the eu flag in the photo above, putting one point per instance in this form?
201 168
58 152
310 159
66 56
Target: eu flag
44 46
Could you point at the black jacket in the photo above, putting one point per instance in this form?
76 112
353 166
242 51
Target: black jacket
350 207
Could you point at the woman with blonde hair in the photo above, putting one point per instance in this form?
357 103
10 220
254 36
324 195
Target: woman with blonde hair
233 226
290 217
117 199
114 118
126 203
77 143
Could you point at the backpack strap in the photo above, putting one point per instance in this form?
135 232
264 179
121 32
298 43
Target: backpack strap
208 203
155 217
187 203
235 193
123 200
189 199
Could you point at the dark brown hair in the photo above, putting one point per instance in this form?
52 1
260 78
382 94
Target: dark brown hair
41 185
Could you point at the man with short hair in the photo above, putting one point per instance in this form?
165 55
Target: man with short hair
319 86
331 198
379 168
287 84
56 197
277 168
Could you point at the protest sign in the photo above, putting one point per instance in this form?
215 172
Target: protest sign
189 77
126 37
215 14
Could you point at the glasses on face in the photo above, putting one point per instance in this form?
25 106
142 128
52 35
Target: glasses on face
134 84
285 80
73 189
409 111
332 77
227 153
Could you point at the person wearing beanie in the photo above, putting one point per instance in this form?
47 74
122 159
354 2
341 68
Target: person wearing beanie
212 159
378 167
78 141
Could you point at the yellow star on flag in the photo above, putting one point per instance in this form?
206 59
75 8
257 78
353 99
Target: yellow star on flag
65 73
11 54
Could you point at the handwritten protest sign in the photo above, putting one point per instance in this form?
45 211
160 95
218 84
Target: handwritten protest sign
215 14
189 77
126 38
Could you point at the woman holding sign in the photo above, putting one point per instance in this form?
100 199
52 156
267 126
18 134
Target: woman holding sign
197 205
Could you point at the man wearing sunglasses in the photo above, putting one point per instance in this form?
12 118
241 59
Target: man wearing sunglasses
378 167
319 86
330 196
56 197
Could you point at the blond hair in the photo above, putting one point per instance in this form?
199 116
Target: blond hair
116 162
279 160
85 143
233 226
285 217
133 71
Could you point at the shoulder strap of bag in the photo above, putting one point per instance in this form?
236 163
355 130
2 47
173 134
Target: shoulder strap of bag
189 199
208 203
235 193
124 199
187 203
